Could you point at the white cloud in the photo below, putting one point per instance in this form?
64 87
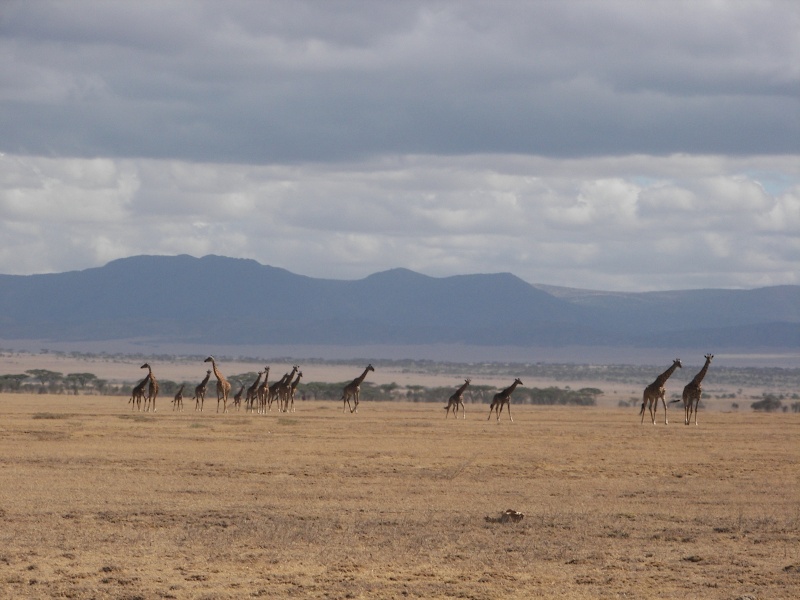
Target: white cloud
600 227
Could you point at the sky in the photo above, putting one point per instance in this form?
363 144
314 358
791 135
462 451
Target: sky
611 144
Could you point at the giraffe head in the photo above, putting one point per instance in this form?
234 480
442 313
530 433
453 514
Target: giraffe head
145 366
370 367
468 381
518 381
708 357
209 359
677 362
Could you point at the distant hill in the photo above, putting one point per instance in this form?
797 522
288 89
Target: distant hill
238 301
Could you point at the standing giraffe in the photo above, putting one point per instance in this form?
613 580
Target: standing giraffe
285 389
353 390
152 389
457 400
137 394
274 391
656 390
177 401
693 391
223 385
292 390
263 393
502 398
200 392
252 392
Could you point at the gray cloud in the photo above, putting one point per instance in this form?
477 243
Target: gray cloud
287 81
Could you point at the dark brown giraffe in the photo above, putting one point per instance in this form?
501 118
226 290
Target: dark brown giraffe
656 390
292 390
263 392
252 392
457 400
693 391
274 391
502 399
353 390
137 394
237 398
200 392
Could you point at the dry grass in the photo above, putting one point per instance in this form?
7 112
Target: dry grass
96 502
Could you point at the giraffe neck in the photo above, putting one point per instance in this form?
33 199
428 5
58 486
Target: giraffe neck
462 388
699 377
666 374
508 391
217 374
362 377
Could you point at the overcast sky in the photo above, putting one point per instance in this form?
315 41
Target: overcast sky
616 145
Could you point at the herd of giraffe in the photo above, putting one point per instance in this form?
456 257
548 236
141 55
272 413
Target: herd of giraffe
260 396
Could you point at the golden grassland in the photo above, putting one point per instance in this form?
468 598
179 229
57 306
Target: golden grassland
97 501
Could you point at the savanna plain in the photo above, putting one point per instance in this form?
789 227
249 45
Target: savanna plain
395 501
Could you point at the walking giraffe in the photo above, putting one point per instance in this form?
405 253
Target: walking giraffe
503 398
656 390
353 390
457 400
177 400
200 392
693 391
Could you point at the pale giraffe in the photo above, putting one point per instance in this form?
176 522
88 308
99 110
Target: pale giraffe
353 390
292 390
656 390
457 400
263 392
152 389
223 385
693 391
200 392
503 398
177 400
138 394
252 393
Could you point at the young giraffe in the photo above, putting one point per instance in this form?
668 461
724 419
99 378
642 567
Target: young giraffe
656 390
503 398
353 390
152 389
200 392
223 385
137 394
177 401
237 398
292 390
693 391
252 392
457 400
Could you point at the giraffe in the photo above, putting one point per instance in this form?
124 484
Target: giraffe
693 391
502 398
457 400
262 393
152 389
200 392
223 386
292 390
237 398
274 391
353 390
177 401
656 390
285 389
137 394
252 391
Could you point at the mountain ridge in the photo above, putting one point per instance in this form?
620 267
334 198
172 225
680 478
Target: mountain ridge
234 300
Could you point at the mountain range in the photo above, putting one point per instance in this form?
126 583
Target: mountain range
240 301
